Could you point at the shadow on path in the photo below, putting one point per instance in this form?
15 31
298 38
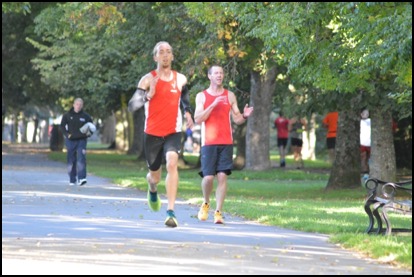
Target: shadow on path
49 227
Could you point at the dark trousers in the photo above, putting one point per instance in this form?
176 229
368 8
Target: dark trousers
76 159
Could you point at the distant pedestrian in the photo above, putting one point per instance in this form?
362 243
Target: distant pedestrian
296 128
188 141
330 122
365 142
77 126
281 124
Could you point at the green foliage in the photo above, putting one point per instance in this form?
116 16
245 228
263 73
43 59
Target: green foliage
98 50
337 47
15 7
83 55
22 87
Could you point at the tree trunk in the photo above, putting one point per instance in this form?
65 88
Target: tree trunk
24 131
108 129
382 162
15 128
403 140
35 130
240 142
345 171
257 135
309 140
121 129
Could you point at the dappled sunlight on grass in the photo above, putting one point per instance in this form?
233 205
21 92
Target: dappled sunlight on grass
307 215
391 249
293 199
336 210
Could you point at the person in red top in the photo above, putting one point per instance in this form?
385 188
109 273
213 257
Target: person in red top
213 109
281 124
164 89
331 123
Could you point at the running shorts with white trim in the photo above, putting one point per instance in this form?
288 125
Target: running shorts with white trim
157 147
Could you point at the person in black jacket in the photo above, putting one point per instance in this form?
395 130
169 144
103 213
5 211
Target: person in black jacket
76 126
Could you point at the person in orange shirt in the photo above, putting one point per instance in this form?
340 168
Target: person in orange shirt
164 90
331 123
213 108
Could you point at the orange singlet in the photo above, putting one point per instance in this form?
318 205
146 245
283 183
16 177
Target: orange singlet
217 127
331 120
162 112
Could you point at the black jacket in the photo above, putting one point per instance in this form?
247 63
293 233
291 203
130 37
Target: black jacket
72 122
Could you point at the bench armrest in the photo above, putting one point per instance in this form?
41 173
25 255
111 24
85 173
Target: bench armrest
372 183
389 190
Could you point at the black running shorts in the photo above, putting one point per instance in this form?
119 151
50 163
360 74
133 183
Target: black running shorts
330 143
156 147
282 142
296 142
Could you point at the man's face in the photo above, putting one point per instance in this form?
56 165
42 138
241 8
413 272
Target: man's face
164 55
217 75
77 106
365 114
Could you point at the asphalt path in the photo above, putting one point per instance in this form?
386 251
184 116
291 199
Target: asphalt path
51 228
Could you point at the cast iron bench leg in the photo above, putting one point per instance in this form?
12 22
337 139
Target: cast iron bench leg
368 210
387 221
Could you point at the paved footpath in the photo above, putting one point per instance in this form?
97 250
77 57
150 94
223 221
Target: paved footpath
50 228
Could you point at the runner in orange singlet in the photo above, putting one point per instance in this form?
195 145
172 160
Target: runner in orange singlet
164 90
213 108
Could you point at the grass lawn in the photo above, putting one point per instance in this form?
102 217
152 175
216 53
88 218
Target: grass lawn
288 198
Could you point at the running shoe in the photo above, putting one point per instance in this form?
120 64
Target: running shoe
154 201
203 213
171 221
218 218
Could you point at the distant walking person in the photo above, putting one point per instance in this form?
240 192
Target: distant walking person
213 108
281 124
77 126
330 122
163 90
365 142
296 128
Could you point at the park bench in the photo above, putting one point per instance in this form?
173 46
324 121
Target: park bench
384 197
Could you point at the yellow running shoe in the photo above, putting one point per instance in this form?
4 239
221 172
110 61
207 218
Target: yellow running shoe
203 213
218 218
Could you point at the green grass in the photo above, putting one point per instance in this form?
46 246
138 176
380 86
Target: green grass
288 198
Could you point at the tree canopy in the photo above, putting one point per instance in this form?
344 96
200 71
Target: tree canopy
322 56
